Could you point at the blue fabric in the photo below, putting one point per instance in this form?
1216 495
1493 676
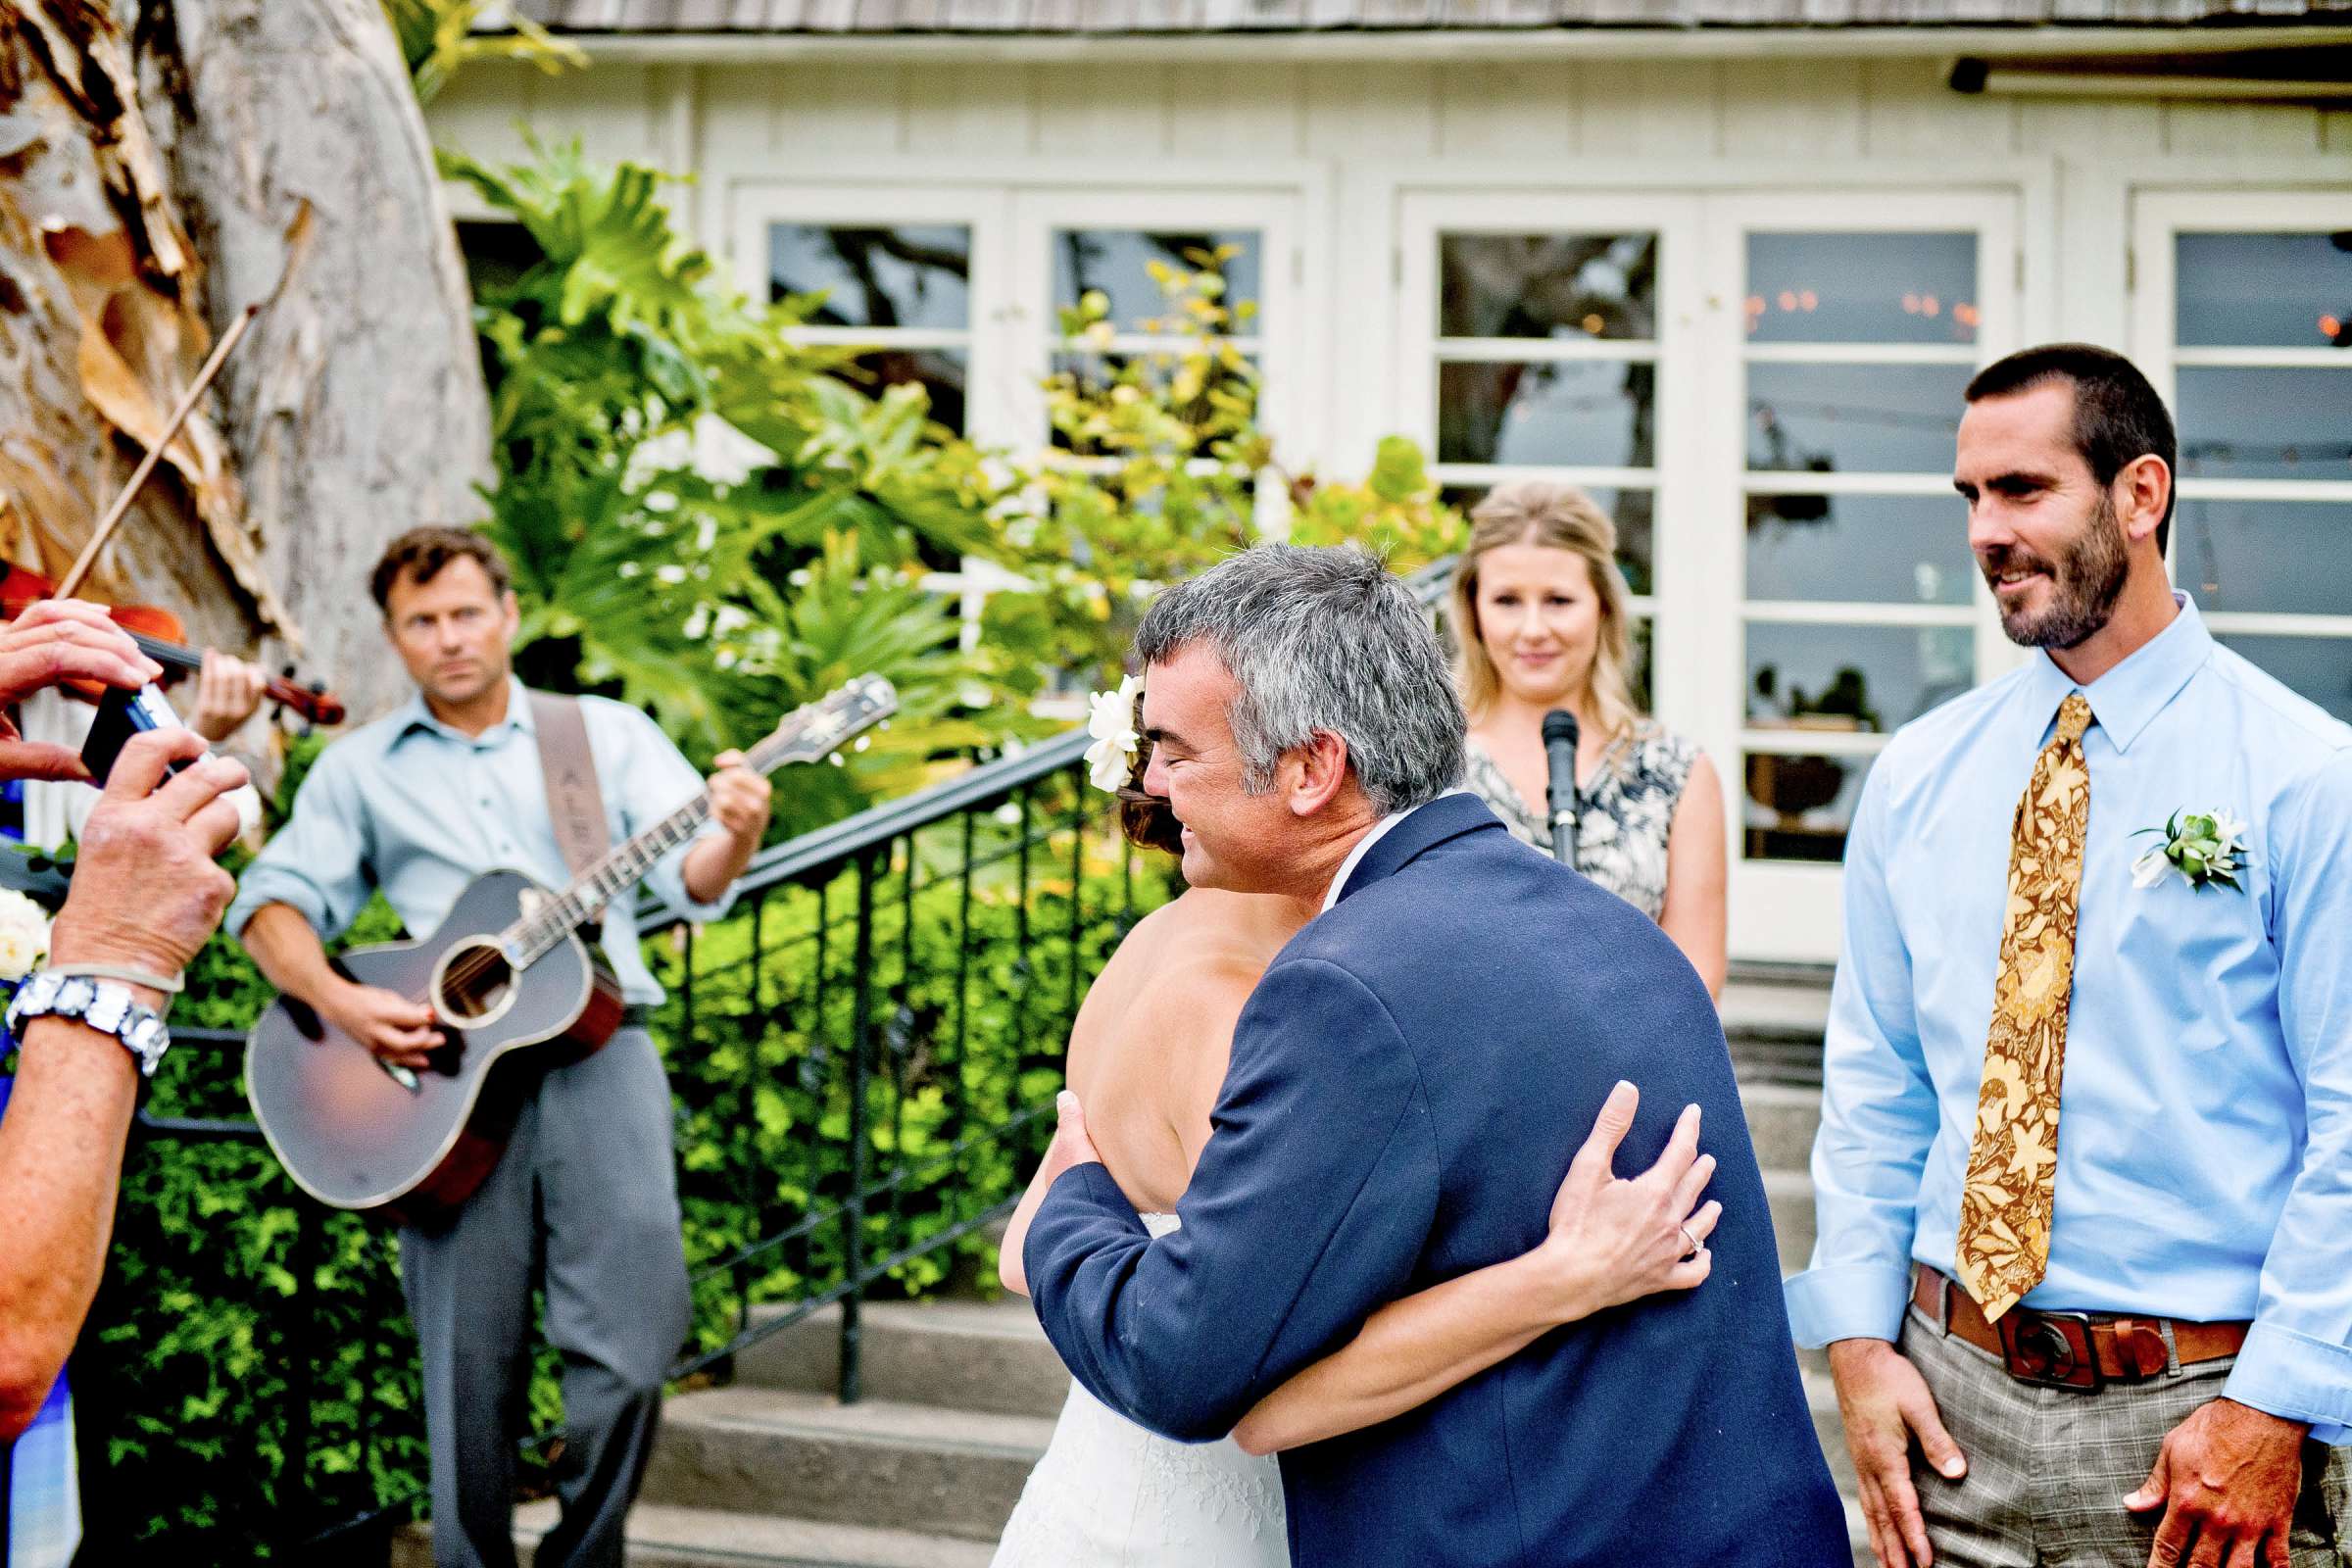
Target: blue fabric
1408 1084
420 809
44 1487
2205 1129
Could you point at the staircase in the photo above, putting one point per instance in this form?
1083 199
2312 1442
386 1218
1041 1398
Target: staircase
959 1397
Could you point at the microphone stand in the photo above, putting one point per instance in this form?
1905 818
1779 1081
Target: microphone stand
1559 752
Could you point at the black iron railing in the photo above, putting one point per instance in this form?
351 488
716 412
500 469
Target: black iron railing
861 1054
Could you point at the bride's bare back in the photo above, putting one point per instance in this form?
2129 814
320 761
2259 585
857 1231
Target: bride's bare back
1149 1051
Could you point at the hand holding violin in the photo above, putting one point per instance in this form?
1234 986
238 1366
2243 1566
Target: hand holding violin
228 691
51 642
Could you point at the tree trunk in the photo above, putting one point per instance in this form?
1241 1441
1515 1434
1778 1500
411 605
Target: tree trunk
354 409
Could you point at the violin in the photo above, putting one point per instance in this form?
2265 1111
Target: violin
162 638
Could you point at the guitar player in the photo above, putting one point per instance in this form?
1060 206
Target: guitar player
584 1200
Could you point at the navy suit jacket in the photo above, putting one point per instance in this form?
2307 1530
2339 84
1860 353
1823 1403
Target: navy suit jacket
1408 1084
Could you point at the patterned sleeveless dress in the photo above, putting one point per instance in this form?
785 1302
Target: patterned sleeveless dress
1623 815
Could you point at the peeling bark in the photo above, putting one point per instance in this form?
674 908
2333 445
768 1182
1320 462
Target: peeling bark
149 160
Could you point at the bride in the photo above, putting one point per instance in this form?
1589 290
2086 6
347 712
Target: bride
1146 1057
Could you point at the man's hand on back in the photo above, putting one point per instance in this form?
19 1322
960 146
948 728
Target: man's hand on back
1884 1401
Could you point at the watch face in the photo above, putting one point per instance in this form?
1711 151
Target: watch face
107 1011
74 997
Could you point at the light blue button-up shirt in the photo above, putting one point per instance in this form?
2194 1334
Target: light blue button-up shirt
2205 1125
419 808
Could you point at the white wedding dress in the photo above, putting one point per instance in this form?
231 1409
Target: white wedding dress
1110 1494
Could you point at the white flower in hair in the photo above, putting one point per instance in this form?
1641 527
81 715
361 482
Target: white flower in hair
23 935
1112 723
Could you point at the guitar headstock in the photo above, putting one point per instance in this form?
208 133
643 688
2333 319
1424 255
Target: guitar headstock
810 732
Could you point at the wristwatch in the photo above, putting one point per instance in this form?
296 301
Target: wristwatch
102 1004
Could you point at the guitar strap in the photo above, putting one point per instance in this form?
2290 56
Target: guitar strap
574 803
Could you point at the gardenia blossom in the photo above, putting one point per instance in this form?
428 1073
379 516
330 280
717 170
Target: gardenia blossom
23 935
2204 849
1111 723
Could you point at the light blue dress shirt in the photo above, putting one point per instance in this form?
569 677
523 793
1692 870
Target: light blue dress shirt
411 805
2205 1125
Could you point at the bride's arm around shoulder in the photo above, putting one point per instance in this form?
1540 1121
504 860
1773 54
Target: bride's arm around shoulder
1611 1241
1181 1013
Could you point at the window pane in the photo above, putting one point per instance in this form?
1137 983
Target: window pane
2317 667
2266 555
1854 419
2263 290
1547 285
1092 376
940 371
2267 425
1635 512
1118 262
1862 289
1853 680
1899 550
916 275
1586 414
1800 808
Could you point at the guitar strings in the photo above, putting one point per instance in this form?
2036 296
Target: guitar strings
472 968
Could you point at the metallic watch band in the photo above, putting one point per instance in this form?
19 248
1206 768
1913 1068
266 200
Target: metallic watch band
101 1004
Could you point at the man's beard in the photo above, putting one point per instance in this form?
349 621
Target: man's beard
2086 581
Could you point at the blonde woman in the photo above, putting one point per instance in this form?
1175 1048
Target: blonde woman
1539 618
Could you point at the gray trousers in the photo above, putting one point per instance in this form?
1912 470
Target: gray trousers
585 1205
2049 1468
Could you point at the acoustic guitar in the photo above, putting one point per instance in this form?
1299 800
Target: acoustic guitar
514 989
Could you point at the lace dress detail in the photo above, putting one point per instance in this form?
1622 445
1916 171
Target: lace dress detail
1623 815
1109 1495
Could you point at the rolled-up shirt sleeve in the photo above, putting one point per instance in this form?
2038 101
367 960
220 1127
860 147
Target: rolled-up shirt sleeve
1877 1114
317 864
2298 1361
653 779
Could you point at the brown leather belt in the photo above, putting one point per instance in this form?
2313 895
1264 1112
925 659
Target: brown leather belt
2073 1349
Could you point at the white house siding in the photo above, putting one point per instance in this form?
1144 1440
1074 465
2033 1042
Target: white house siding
1339 146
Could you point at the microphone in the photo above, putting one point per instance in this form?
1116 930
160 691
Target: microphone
1559 752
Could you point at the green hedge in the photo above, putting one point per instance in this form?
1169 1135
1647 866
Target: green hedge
225 1291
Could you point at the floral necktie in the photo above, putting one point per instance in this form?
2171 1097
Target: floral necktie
2013 1159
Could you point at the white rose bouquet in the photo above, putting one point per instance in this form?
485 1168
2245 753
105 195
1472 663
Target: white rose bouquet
23 935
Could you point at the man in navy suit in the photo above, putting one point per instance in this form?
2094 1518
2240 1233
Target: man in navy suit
1408 1084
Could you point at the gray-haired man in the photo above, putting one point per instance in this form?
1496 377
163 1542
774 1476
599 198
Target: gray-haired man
1408 1085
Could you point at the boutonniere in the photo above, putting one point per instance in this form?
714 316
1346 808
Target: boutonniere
2202 846
1111 760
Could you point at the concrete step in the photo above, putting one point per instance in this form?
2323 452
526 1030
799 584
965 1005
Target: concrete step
964 1355
879 1463
1821 1398
1774 1026
666 1537
1791 1194
1781 1120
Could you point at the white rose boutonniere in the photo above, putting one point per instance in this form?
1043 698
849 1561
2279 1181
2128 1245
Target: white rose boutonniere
2204 846
23 935
1112 723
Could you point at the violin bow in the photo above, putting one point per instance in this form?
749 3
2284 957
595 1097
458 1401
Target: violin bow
297 240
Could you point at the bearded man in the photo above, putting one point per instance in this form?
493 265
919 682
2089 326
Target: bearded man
2084 1169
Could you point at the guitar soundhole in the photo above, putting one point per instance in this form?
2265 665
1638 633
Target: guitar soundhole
473 984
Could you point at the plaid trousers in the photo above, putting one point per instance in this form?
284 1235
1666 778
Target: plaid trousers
2049 1468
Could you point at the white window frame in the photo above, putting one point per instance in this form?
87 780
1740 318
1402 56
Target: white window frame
1423 216
2158 214
1275 215
1779 910
1783 910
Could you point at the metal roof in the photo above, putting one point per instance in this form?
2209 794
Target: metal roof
656 17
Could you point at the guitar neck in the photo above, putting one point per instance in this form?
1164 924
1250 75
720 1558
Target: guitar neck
623 867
